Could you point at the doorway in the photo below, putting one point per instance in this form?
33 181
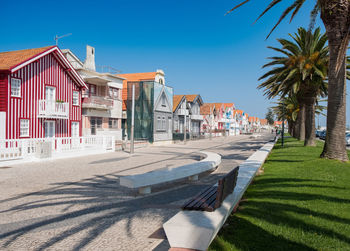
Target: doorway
50 129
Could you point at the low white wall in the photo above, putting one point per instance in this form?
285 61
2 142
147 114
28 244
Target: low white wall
197 229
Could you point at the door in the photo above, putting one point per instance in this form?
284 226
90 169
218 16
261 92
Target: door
50 97
75 129
75 135
50 129
93 124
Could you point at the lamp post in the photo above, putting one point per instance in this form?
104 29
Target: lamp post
132 120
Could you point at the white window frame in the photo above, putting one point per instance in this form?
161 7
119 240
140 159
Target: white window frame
75 98
24 127
16 87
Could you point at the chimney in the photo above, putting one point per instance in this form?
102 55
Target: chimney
89 63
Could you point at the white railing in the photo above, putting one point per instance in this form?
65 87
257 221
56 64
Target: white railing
196 117
30 148
52 109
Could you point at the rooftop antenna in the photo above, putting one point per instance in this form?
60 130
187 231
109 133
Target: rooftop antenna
59 37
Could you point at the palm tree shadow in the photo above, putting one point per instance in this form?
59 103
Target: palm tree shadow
102 203
253 237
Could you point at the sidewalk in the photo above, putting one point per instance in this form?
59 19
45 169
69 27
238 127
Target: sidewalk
78 203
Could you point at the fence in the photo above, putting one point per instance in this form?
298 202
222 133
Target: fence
30 148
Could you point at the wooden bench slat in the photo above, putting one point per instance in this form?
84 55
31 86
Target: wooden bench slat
192 201
206 201
211 198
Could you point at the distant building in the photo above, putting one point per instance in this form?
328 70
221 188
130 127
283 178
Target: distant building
187 108
40 95
208 111
153 106
102 102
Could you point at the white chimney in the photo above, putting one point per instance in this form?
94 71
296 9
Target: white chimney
89 63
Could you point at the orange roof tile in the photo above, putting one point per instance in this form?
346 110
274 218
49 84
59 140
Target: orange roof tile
132 77
226 105
206 108
176 101
10 59
191 97
263 121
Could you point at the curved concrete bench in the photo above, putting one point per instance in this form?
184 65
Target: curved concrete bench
195 230
144 181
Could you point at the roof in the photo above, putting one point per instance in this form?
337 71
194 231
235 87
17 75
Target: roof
176 101
132 77
10 59
239 112
15 60
226 105
192 97
217 105
263 121
205 108
124 94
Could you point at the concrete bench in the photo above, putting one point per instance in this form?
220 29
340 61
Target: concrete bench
197 229
144 181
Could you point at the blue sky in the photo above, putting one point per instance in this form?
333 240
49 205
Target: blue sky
199 48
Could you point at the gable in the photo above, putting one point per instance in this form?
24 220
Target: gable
24 58
162 103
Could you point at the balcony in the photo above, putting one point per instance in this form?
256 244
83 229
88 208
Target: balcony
196 117
97 102
52 109
182 112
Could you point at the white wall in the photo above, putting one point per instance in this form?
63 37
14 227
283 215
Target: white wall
2 125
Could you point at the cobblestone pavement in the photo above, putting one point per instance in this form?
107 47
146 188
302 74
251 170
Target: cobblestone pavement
77 203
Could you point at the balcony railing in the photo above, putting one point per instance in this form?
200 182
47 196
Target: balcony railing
182 112
52 109
97 102
196 117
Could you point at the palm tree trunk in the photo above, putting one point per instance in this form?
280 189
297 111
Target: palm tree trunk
301 123
335 16
310 136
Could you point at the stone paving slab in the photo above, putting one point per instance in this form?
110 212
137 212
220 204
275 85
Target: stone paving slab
77 204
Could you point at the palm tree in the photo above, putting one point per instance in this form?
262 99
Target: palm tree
301 71
335 16
288 108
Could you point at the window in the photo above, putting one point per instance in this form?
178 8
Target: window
75 98
159 121
15 87
113 93
92 90
113 123
163 124
163 101
24 129
99 122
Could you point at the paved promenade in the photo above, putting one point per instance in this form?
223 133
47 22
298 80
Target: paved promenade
77 203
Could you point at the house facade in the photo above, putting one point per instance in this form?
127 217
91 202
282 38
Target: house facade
153 119
186 113
40 95
102 102
208 111
196 119
229 118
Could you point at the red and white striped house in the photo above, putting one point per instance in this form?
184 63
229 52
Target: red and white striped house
40 95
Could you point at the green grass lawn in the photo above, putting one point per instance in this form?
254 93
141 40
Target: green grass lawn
300 202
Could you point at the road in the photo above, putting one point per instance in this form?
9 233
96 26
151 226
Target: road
77 203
